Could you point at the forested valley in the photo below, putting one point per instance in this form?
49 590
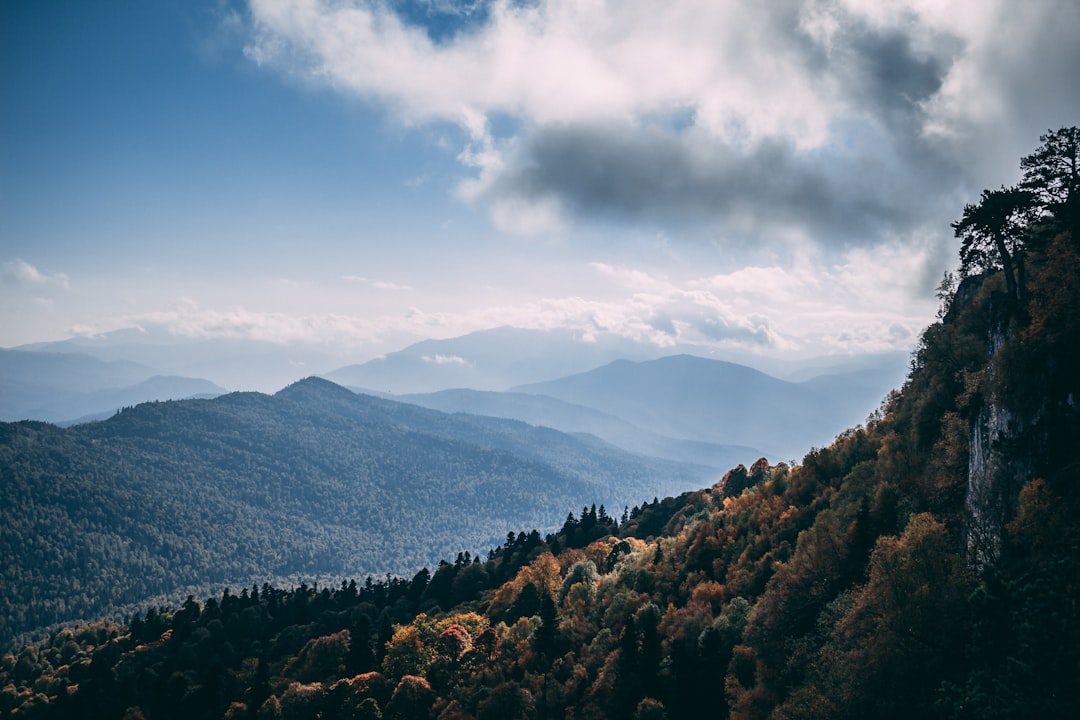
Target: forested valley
925 564
315 482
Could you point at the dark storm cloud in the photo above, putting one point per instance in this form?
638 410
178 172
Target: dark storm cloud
1028 85
879 177
663 176
890 78
717 329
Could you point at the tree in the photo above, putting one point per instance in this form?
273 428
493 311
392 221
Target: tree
361 658
899 636
412 700
734 481
546 634
649 659
992 234
650 709
1052 173
507 701
527 603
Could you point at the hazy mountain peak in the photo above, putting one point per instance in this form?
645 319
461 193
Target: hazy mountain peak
314 387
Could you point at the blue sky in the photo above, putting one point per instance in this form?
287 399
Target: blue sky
360 175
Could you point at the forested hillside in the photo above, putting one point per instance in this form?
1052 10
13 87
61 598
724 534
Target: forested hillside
923 565
315 481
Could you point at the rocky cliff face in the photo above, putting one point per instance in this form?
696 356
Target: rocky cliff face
997 467
1023 414
995 478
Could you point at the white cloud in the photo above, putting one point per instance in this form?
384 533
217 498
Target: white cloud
865 300
554 61
188 319
377 284
19 273
440 359
637 109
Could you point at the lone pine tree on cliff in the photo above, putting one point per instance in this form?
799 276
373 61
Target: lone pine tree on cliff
996 232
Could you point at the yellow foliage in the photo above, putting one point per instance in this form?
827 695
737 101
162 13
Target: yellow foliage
545 572
413 647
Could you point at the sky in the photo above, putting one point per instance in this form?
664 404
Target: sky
773 177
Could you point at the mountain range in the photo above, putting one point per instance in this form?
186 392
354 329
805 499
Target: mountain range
571 418
495 359
233 363
627 393
314 481
688 408
73 387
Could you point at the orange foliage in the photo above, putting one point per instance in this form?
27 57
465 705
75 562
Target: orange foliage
545 573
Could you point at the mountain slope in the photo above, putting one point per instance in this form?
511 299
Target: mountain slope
314 480
704 400
102 403
570 418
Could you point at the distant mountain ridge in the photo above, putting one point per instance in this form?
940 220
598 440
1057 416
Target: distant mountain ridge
821 396
234 363
494 359
67 387
713 401
503 358
312 481
572 418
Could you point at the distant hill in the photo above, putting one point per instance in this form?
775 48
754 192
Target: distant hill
713 401
572 418
103 403
234 363
67 372
313 481
493 359
65 387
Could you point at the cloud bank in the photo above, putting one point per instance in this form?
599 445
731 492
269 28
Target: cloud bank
841 121
860 303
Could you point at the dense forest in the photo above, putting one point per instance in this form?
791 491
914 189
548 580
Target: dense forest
171 498
926 564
